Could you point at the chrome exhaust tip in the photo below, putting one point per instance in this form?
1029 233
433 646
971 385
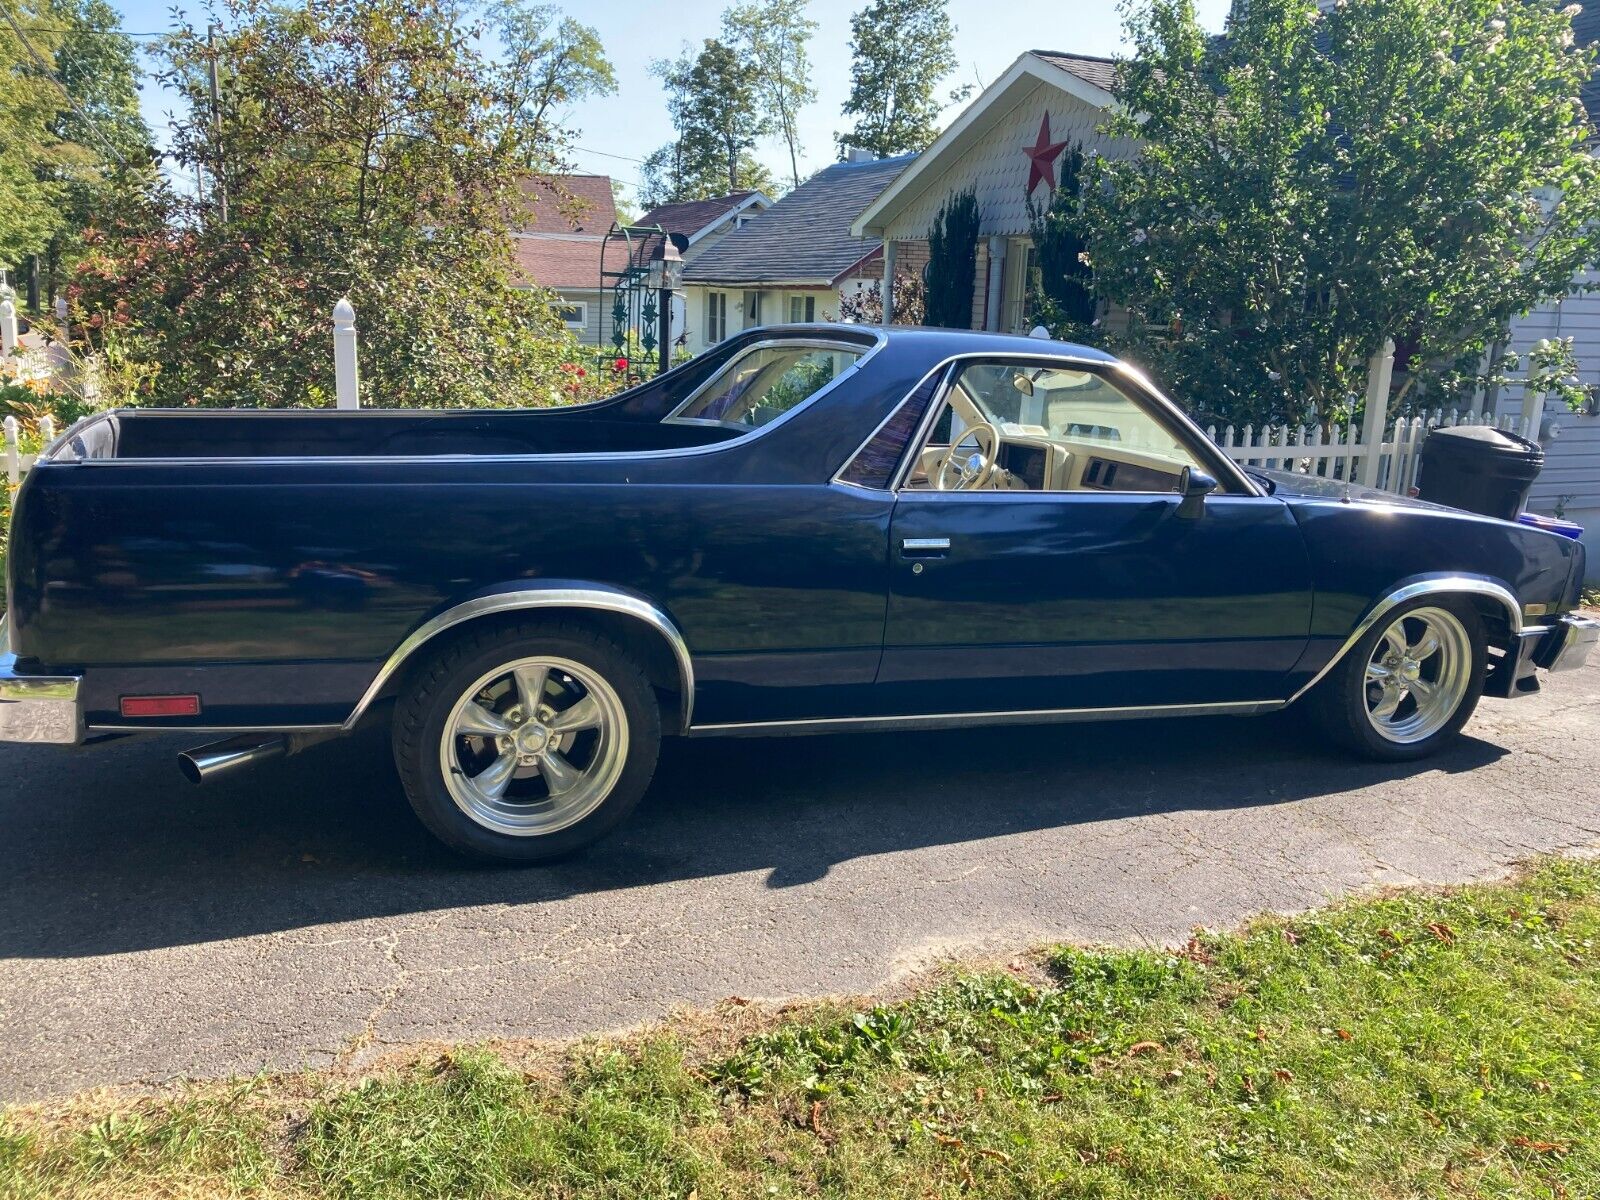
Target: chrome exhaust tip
220 758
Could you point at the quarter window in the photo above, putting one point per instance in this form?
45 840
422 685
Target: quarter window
761 385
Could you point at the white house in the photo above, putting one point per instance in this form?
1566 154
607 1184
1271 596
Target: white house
793 262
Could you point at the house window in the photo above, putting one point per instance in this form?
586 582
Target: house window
752 309
802 308
575 313
716 317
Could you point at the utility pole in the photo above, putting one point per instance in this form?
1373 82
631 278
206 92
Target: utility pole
218 182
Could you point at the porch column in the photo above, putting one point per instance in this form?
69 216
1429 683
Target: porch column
888 280
994 295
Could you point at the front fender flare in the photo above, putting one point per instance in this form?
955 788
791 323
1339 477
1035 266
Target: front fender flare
1411 589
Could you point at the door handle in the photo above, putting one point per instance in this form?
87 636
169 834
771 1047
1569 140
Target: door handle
924 547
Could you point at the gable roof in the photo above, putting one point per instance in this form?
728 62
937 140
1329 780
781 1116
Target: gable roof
1081 76
1091 68
689 219
566 204
805 237
556 261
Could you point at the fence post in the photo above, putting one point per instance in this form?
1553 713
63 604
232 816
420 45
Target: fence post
8 326
13 450
346 376
1380 370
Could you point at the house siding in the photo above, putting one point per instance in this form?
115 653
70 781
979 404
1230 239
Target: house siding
996 167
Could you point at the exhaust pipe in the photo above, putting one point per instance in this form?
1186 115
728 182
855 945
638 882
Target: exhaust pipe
221 758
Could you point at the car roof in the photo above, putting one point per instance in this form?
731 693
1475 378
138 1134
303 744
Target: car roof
945 342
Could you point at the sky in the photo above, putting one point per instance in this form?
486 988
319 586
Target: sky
614 133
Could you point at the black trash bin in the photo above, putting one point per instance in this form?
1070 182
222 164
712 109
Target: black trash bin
1478 468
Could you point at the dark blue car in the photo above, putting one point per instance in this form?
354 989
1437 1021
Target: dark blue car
808 529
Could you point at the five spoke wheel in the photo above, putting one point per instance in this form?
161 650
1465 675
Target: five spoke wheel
534 746
1418 674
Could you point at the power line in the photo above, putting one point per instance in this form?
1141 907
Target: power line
608 154
50 74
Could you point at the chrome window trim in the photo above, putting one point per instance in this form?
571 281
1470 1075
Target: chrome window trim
522 599
819 342
1021 716
750 435
1469 585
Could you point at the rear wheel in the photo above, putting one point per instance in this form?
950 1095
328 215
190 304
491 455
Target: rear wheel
1409 685
523 744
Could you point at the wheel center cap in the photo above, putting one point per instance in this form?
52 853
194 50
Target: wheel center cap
532 738
1410 670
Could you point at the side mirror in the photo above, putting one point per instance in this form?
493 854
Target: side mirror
1194 486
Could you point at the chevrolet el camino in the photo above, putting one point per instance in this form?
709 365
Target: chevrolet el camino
808 529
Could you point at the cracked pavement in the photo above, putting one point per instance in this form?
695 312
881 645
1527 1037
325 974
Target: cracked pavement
296 916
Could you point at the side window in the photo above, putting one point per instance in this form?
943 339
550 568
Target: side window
763 384
1020 426
874 464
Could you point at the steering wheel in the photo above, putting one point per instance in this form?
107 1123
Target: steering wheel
967 470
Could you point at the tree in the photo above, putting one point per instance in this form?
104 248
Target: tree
550 61
1316 182
1061 285
99 72
953 262
30 195
711 98
900 50
774 36
366 150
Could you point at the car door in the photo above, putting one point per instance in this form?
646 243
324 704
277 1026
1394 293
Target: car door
1083 582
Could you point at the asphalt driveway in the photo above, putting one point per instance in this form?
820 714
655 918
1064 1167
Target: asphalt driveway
297 916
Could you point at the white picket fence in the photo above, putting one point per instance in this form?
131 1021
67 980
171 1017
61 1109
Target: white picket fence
1339 452
16 461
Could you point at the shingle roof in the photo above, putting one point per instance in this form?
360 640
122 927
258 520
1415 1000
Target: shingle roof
567 204
805 236
691 216
1101 72
557 262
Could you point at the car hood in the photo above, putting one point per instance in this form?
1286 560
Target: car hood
1290 484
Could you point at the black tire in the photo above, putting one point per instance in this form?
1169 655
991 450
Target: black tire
1338 705
432 693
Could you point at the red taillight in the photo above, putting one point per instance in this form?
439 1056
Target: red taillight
160 706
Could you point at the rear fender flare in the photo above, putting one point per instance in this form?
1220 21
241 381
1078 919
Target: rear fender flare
533 597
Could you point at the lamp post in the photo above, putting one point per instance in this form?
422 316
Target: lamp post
666 277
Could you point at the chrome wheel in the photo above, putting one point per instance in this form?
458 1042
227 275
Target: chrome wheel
534 746
1418 674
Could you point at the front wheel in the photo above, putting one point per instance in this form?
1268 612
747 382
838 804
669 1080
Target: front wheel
523 744
1409 685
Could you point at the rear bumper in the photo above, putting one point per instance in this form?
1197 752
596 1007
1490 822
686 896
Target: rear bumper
37 708
1565 645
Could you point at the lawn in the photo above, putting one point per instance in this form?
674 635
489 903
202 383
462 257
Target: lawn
1428 1043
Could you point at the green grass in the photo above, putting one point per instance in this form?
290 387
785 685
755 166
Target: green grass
1426 1044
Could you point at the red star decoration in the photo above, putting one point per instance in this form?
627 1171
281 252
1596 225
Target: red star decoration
1042 155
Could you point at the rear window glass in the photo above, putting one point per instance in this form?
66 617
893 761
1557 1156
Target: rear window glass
760 386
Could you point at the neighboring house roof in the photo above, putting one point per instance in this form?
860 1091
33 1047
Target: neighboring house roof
1092 69
805 237
1081 76
567 204
556 261
691 219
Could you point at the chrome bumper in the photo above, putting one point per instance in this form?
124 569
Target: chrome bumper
1567 646
36 708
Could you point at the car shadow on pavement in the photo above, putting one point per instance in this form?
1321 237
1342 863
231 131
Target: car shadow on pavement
109 850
